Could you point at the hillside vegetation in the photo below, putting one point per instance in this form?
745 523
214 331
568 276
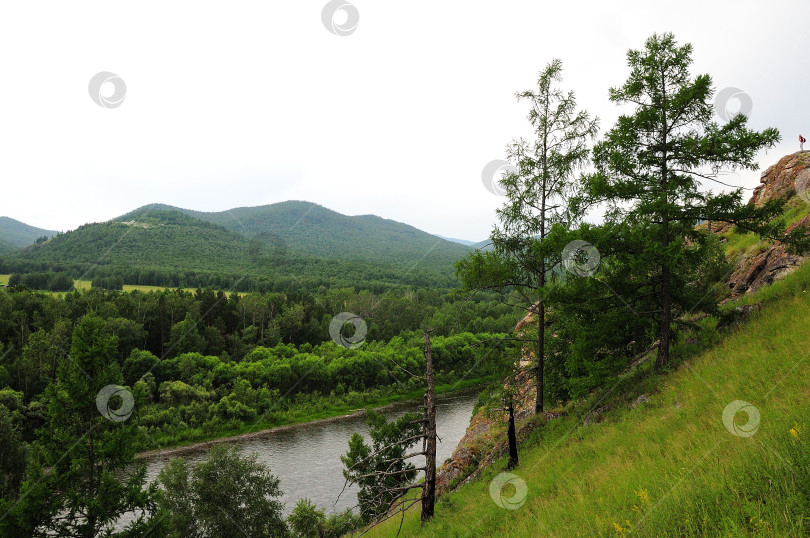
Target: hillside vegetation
6 247
313 229
651 456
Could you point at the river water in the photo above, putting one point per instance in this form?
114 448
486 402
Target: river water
306 457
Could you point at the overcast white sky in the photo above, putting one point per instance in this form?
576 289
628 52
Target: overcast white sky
245 103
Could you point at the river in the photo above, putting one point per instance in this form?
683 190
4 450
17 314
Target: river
306 457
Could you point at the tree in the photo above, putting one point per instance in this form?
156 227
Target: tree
652 164
382 470
185 338
80 480
536 196
308 521
224 495
13 455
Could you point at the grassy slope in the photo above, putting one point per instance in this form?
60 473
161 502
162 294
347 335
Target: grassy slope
669 467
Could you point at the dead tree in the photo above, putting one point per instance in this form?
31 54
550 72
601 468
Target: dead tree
429 442
387 468
510 434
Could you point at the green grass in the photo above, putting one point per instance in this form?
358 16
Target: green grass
147 289
795 210
741 243
4 279
668 467
738 243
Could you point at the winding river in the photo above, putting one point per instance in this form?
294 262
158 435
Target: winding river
306 457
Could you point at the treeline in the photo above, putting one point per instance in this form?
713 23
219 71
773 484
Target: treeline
318 274
50 281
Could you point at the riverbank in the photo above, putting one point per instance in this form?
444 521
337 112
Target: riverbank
255 431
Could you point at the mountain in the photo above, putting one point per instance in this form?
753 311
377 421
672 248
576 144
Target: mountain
459 241
160 246
19 234
486 244
313 229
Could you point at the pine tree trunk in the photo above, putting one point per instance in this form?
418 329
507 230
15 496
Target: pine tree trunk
666 314
429 488
541 356
666 335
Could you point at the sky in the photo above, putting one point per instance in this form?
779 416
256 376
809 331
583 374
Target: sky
385 108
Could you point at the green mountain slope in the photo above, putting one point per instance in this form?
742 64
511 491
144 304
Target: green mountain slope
5 247
176 243
312 229
655 455
20 234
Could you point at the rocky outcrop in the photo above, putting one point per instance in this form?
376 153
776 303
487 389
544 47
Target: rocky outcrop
762 269
788 178
783 178
481 445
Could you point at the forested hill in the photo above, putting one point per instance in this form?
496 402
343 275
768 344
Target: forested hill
313 229
171 248
6 247
14 233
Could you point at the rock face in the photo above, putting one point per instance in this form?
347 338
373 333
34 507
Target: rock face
781 178
762 269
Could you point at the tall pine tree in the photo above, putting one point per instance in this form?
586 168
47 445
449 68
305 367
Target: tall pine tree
536 199
655 166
